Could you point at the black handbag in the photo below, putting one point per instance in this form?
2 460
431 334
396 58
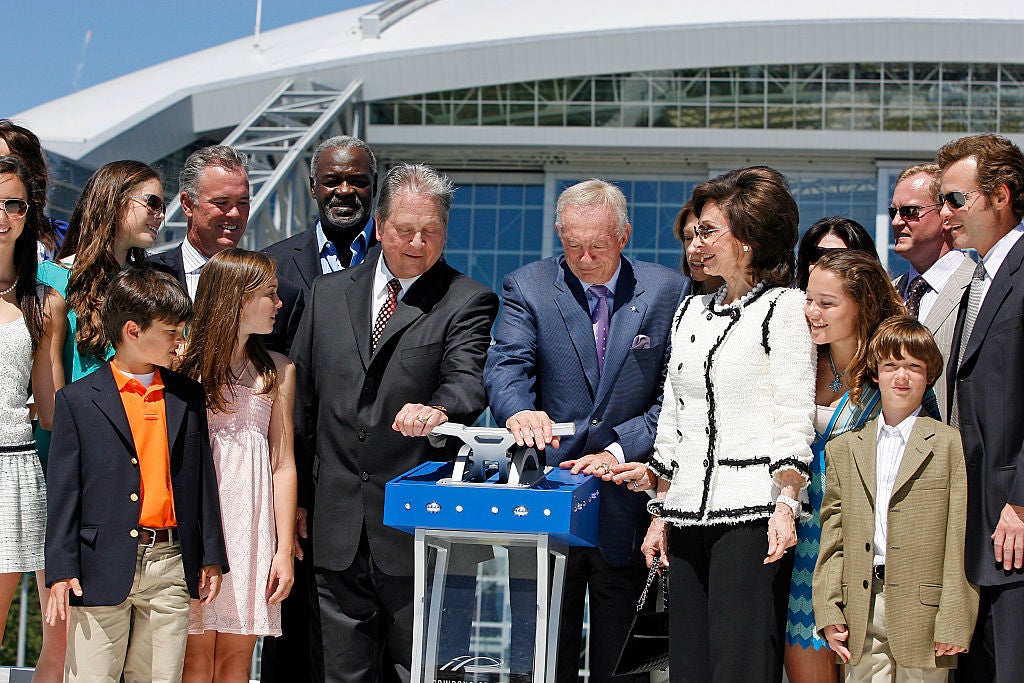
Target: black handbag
646 646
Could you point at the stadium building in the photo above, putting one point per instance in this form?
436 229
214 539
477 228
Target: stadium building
516 100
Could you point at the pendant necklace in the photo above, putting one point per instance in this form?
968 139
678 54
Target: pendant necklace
837 382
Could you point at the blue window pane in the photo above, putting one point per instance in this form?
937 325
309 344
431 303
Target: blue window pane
485 224
458 260
672 193
533 229
510 228
459 227
511 195
506 264
646 192
645 227
535 196
485 194
481 269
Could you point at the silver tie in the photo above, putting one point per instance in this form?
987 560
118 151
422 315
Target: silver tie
973 304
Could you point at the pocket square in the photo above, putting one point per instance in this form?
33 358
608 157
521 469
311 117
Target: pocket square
640 341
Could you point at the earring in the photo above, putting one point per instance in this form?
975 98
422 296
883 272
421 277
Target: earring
746 247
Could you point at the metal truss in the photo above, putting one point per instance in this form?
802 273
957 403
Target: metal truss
279 136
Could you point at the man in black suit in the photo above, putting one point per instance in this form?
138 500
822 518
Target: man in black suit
343 181
214 188
386 350
983 200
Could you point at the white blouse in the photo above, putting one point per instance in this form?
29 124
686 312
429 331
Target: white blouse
738 407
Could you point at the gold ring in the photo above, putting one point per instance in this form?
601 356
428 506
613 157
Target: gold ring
421 419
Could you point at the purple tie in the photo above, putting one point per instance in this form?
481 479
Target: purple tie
918 288
600 320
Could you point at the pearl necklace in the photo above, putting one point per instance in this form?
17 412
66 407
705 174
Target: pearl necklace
739 303
9 289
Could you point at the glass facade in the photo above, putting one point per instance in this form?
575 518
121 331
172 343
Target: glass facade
903 96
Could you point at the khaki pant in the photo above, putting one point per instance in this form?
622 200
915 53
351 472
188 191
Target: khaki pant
144 636
877 664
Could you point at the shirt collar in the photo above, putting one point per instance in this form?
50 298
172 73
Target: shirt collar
357 249
191 260
383 276
128 384
997 254
903 429
610 284
938 275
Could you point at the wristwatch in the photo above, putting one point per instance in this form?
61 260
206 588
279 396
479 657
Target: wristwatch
792 503
655 506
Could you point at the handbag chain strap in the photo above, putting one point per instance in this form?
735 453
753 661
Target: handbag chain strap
650 581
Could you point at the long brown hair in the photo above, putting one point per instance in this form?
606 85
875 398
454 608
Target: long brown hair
26 291
866 283
24 144
228 281
91 234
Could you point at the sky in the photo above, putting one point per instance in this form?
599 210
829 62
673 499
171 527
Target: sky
57 47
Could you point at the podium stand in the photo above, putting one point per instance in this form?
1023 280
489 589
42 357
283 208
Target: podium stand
492 531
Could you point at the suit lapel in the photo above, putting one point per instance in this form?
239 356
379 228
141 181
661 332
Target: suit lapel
914 454
108 399
578 326
627 317
174 408
358 304
307 260
998 291
864 458
950 295
421 298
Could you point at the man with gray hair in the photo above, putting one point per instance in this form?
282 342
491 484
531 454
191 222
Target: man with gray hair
584 338
386 351
342 181
214 188
939 274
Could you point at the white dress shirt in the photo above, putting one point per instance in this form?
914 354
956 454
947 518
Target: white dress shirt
193 262
379 293
937 276
891 444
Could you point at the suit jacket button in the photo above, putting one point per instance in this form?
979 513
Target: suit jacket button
594 421
706 463
134 497
361 435
364 476
134 533
867 546
135 461
865 584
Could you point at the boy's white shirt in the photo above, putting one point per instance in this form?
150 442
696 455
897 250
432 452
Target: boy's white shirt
889 448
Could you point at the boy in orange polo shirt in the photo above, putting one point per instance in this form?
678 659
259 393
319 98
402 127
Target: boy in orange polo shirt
134 523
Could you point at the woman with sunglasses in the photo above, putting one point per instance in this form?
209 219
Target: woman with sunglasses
31 333
683 228
732 452
116 218
848 295
20 142
827 235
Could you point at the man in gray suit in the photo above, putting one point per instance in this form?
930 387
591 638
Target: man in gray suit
939 274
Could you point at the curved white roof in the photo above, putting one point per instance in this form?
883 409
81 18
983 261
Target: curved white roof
460 43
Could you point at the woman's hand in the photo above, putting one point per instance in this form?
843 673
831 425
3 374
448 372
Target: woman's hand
635 475
781 532
282 576
656 542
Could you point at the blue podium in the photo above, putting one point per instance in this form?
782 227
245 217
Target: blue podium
492 530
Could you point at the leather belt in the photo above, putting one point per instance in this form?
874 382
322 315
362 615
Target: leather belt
148 537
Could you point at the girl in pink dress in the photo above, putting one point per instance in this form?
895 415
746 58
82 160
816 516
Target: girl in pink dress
249 395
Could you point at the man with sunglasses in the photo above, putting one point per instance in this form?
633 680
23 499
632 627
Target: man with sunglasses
214 189
982 195
939 273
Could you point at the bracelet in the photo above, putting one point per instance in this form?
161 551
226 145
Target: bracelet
656 506
791 503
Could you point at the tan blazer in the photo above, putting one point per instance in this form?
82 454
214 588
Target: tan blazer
941 319
927 596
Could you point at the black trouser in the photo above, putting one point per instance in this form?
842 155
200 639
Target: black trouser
727 610
997 648
613 595
362 609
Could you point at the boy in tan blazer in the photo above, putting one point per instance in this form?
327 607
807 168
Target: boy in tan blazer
890 593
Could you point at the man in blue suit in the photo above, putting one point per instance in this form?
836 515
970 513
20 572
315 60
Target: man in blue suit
584 338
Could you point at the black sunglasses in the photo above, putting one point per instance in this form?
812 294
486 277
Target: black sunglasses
14 208
910 213
155 203
818 252
956 200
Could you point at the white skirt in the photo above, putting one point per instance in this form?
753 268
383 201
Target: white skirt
22 509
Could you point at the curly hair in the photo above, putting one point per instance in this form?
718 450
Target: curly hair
94 223
865 282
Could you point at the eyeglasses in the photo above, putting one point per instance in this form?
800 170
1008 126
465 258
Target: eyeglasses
910 213
704 232
818 252
153 202
956 200
14 208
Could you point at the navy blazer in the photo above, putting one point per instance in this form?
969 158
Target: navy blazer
292 300
545 358
93 472
988 385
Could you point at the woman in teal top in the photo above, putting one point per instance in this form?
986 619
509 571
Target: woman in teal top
116 218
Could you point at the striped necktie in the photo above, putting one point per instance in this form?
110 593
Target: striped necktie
973 304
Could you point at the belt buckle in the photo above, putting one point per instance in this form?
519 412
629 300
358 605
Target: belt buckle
878 571
152 537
